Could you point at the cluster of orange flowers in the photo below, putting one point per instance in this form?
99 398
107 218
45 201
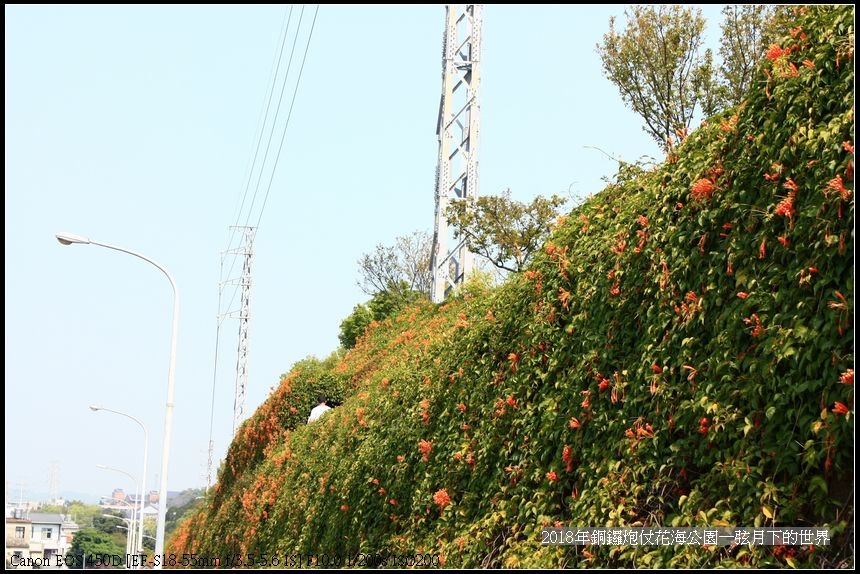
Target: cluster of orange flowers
442 498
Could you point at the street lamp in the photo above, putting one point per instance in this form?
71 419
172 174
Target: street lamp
129 546
129 532
69 239
142 496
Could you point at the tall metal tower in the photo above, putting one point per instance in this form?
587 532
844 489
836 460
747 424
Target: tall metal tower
457 131
247 250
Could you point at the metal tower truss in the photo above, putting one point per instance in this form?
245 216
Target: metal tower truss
457 131
247 251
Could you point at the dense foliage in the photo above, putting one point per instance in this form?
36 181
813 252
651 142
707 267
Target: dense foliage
680 353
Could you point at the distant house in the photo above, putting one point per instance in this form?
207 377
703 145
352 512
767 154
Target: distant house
18 531
47 535
38 537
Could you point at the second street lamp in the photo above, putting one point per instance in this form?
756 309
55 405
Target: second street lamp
142 497
130 536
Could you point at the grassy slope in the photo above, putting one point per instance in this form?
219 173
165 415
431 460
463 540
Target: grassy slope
670 358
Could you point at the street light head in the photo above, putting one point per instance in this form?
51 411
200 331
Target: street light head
95 408
102 466
69 238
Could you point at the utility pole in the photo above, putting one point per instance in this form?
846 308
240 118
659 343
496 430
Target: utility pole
457 131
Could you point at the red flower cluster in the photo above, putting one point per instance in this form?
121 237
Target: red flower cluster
774 52
567 457
425 446
702 189
836 185
847 377
442 498
703 425
786 206
552 476
755 321
840 409
515 360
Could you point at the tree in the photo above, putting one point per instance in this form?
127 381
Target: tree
656 64
382 305
505 231
390 266
90 542
106 524
742 45
354 325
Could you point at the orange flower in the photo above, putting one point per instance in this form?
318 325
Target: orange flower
790 185
574 423
425 446
567 457
511 401
442 498
848 146
604 384
786 206
564 297
784 240
393 502
702 189
344 507
774 52
656 368
809 64
743 295
461 407
552 476
840 409
847 377
514 359
836 185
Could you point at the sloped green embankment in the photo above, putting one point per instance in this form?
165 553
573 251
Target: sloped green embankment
678 354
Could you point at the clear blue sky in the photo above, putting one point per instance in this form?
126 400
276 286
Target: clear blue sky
135 126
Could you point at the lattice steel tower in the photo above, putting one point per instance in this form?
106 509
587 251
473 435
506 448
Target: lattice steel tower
247 251
457 131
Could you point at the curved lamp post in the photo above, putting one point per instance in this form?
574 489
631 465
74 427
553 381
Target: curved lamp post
140 500
69 239
129 531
